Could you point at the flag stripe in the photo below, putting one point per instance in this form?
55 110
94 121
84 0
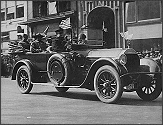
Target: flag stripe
65 24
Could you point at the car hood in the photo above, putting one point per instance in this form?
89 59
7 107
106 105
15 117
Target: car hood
112 53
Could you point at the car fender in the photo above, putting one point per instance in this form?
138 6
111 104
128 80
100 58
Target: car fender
103 61
20 63
149 65
95 66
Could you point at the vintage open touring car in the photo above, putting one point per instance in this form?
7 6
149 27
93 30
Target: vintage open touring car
109 72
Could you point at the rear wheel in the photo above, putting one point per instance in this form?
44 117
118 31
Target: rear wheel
23 78
107 84
151 90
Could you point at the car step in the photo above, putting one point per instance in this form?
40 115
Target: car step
50 84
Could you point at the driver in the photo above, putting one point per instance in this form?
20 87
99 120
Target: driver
59 42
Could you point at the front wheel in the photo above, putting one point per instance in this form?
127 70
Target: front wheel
23 78
151 90
107 84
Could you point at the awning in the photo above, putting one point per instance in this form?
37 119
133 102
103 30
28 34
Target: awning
47 18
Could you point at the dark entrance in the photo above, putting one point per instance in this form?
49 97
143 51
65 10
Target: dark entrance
102 18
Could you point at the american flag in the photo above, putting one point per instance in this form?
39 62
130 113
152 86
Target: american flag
65 24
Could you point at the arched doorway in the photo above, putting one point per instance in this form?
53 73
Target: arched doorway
102 19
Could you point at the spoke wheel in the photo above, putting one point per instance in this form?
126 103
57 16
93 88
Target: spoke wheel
150 91
24 80
107 84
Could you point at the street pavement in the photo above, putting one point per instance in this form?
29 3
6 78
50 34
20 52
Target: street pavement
44 105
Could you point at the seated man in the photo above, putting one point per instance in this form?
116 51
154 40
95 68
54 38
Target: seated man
38 45
68 40
25 44
59 42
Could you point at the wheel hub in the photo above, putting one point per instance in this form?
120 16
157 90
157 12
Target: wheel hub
106 84
56 71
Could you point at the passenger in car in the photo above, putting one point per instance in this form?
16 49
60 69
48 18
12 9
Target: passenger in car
68 39
82 39
24 43
59 42
38 45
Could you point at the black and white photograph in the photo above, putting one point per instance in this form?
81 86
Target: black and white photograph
81 62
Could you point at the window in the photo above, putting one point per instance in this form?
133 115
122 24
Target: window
130 12
39 8
84 8
91 6
10 10
19 11
63 6
142 10
52 8
88 9
10 13
148 10
5 36
2 15
85 18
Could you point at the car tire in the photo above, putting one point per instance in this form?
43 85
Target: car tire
23 78
61 89
107 84
58 70
150 91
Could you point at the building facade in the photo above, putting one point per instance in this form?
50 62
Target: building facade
95 15
12 13
143 19
104 21
50 13
98 20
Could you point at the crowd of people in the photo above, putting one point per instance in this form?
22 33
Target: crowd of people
62 41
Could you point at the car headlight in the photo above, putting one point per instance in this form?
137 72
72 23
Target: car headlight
123 59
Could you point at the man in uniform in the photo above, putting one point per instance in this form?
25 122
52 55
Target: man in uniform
59 42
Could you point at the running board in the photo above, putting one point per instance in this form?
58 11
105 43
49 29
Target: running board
50 84
69 86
